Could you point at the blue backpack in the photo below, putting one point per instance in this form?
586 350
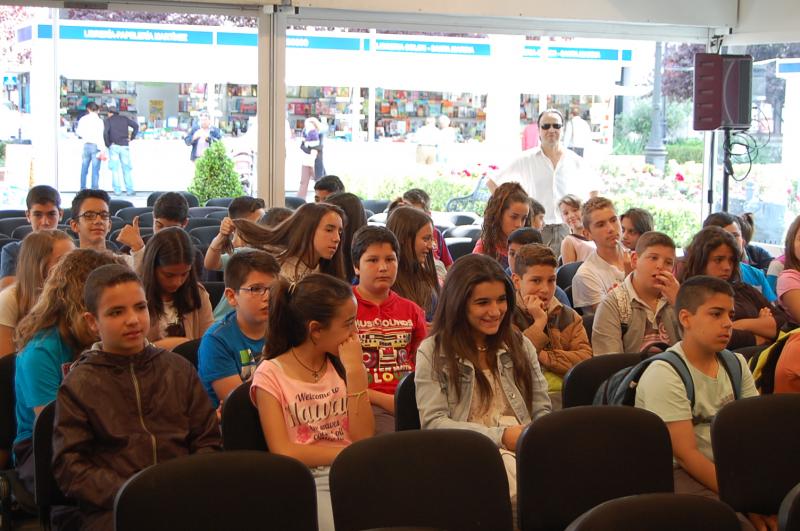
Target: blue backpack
620 388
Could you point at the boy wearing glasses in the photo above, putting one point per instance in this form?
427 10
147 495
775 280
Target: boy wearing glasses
228 350
43 211
91 219
548 172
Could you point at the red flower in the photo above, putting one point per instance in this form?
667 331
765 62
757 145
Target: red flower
492 167
679 177
467 173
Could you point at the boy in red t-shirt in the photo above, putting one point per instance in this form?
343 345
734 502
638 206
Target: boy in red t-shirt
390 327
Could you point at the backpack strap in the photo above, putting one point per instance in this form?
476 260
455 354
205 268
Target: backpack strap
730 361
677 363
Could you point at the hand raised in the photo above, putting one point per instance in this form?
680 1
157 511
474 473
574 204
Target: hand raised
131 235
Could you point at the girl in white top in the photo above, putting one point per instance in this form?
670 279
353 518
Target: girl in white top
577 246
39 252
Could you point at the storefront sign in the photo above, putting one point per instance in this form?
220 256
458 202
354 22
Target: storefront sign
788 66
323 43
237 39
433 47
591 54
98 33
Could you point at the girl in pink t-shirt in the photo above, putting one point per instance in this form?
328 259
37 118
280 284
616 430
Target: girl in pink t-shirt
308 410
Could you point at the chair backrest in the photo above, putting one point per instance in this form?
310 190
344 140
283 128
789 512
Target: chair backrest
46 490
755 442
7 225
457 479
146 233
241 426
191 199
589 454
465 218
12 214
8 418
116 223
204 492
195 223
583 380
115 205
205 234
201 212
459 247
789 513
659 512
565 273
188 350
406 414
147 219
21 231
376 205
215 289
220 202
473 232
588 323
293 202
127 214
219 214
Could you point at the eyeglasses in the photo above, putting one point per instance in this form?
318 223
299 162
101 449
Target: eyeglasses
554 126
256 290
91 215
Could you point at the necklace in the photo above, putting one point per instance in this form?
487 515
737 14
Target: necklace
482 348
315 373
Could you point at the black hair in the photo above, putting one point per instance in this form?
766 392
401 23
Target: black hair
275 216
172 206
329 183
92 106
536 207
244 205
370 235
243 262
41 195
170 246
695 291
106 276
85 194
525 235
418 196
721 219
698 253
354 218
640 218
549 111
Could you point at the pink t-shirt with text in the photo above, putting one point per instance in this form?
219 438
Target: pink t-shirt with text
315 413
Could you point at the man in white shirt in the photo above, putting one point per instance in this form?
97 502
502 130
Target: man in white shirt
548 173
90 130
577 133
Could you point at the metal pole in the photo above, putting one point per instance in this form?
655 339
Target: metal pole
727 167
656 152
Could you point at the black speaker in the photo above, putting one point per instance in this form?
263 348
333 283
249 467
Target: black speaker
722 91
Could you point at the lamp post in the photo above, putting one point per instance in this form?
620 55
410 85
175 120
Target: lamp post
655 152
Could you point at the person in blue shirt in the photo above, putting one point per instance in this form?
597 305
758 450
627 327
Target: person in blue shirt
749 274
50 337
229 349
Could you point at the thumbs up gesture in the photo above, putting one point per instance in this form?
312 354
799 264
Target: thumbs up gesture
131 236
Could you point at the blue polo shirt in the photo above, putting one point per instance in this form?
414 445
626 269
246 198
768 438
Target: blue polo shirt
41 366
756 278
225 351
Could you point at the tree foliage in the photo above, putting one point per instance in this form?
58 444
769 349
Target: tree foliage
214 175
11 18
191 19
679 70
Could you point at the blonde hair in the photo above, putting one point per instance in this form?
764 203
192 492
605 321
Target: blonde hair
34 257
61 302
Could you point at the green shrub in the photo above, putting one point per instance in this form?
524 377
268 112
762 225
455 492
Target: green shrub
2 154
686 150
678 220
214 175
440 189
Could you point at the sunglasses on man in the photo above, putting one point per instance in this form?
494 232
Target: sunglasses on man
548 126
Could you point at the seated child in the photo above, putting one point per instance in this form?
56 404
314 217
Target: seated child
125 404
635 222
537 214
555 330
524 236
639 314
230 347
576 246
390 327
704 306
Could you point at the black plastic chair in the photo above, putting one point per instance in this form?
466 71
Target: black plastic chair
465 218
46 492
12 214
593 453
20 232
188 350
191 199
565 273
406 414
789 513
755 442
216 291
459 247
202 212
8 417
658 512
147 219
584 379
115 205
455 477
205 235
473 232
195 223
376 205
127 214
588 323
7 225
750 352
293 202
145 232
116 223
219 202
218 215
202 492
241 425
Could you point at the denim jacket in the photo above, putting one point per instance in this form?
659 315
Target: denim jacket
440 407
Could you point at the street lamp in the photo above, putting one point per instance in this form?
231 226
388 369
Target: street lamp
655 152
